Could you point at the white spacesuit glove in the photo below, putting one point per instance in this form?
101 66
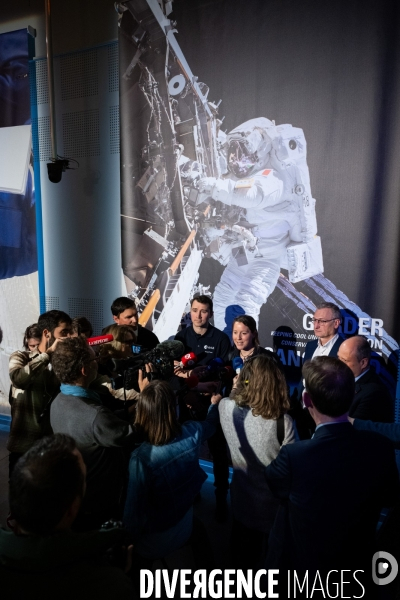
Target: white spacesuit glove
206 187
305 259
206 184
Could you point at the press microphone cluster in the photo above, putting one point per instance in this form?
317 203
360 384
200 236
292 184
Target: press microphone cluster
162 358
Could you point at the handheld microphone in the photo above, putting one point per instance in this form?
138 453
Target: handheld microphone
237 364
188 360
100 339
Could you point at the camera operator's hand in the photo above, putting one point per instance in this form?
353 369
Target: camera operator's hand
143 381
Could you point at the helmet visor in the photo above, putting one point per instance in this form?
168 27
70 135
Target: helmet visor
240 160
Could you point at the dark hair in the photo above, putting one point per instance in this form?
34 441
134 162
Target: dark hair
250 323
333 307
82 325
69 357
363 349
156 421
330 384
262 387
121 304
203 300
33 331
51 319
44 483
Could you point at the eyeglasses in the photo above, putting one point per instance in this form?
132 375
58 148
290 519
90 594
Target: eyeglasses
323 321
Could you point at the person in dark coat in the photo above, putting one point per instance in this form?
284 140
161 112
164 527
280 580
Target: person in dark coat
332 487
124 312
372 400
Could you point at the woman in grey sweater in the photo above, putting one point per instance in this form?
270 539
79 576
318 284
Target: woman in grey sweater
255 425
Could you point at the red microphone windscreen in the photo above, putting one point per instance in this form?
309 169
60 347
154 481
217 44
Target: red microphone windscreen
188 360
100 339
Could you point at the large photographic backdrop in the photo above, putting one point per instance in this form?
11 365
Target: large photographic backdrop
260 143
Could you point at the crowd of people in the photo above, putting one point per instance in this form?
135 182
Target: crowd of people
94 466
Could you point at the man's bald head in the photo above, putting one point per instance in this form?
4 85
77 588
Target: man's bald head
356 353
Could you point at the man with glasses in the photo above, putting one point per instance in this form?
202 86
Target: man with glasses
326 321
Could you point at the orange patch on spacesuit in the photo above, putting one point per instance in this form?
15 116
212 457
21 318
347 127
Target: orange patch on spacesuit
266 172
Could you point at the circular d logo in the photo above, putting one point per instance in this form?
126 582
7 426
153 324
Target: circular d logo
384 568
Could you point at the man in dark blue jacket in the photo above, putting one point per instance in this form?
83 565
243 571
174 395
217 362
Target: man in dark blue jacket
372 400
333 486
208 343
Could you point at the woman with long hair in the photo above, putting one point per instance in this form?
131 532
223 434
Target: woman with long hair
32 338
164 473
255 425
120 347
245 339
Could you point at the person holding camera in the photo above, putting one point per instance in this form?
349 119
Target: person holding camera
34 385
100 435
118 349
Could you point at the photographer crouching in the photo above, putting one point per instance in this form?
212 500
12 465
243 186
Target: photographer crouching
101 436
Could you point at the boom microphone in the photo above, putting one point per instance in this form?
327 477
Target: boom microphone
100 339
174 347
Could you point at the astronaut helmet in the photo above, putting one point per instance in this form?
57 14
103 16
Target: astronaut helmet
248 147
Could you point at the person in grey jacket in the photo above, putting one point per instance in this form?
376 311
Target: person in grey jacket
101 435
255 426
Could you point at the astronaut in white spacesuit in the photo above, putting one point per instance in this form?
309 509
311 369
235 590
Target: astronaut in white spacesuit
269 178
